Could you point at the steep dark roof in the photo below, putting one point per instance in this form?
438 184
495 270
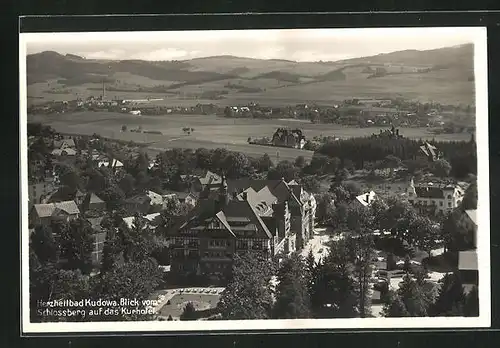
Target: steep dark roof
95 223
472 215
429 192
234 216
64 193
138 199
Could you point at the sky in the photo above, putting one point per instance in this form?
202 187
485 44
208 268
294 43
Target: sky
290 44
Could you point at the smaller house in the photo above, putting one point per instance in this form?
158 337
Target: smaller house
428 152
93 202
468 266
209 181
156 201
471 218
37 191
63 152
63 194
289 138
44 214
64 144
138 204
104 162
183 197
152 220
366 199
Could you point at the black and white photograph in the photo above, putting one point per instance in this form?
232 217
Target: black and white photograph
272 179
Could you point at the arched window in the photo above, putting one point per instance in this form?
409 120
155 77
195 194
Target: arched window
449 196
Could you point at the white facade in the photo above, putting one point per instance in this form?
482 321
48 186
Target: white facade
443 198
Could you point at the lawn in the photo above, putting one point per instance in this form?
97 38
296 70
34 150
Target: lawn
176 305
210 131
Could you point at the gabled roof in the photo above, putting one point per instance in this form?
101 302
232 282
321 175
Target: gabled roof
66 151
156 199
277 188
46 210
210 178
114 163
235 216
429 150
429 192
68 142
138 199
472 215
151 218
366 198
63 193
95 223
179 195
467 260
93 198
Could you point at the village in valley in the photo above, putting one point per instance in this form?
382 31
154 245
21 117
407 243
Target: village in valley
373 225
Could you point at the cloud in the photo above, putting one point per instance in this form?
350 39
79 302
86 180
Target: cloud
299 45
109 54
166 54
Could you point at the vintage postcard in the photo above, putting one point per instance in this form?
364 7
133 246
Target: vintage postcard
254 180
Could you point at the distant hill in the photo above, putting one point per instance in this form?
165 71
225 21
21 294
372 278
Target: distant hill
450 69
456 56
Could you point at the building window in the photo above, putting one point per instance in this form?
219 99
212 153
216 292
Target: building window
449 196
242 244
411 201
449 204
441 204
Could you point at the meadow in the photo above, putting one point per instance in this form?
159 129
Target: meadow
445 87
210 131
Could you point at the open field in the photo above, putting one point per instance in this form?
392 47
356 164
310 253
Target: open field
210 131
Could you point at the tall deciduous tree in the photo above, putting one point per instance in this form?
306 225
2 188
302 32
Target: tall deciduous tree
76 245
284 169
451 298
413 297
130 280
265 163
394 306
334 290
44 245
248 294
49 283
441 168
292 297
189 312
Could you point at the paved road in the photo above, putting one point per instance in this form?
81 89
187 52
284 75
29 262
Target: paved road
318 247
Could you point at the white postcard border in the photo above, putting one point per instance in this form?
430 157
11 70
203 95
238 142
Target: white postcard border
484 320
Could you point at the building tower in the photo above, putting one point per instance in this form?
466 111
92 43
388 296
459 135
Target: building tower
103 89
410 191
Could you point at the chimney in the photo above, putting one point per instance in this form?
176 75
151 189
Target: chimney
244 195
368 198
